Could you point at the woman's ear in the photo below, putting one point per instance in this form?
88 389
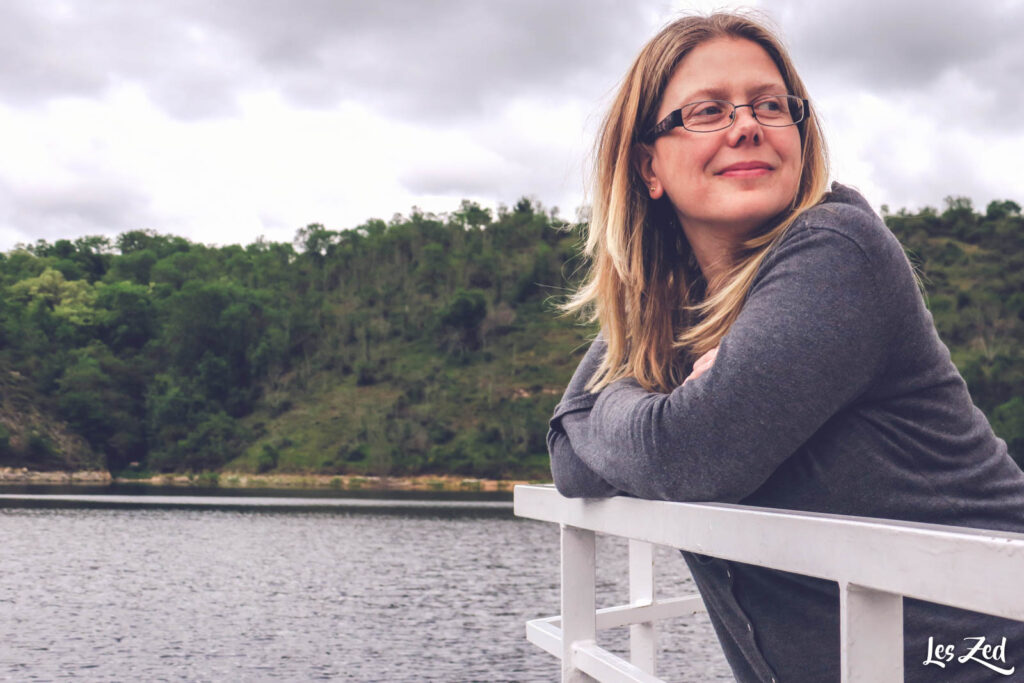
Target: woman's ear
643 162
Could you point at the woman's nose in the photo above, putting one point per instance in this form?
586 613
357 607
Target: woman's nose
744 127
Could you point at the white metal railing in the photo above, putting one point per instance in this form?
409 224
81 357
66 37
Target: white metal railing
980 571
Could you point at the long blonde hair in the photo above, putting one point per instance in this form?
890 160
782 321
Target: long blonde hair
644 286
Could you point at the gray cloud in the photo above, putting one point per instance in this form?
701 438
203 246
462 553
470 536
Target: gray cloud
504 180
85 207
87 48
417 60
908 45
441 180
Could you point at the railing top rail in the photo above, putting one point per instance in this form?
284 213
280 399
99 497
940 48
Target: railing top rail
974 569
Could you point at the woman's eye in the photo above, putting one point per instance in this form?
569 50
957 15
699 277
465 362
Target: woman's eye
770 108
707 110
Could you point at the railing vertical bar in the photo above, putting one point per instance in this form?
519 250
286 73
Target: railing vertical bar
579 621
643 646
871 635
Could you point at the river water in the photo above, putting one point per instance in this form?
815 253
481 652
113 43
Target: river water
261 588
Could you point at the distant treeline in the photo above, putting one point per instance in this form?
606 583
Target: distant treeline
425 344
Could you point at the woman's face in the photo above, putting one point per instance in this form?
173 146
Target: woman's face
729 181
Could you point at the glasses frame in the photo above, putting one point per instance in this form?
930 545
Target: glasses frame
675 118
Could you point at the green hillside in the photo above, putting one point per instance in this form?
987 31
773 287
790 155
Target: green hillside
425 344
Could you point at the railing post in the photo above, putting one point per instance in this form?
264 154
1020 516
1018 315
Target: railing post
579 620
870 635
643 647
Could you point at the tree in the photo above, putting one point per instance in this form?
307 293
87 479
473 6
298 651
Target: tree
74 301
126 315
471 215
462 317
101 398
1002 209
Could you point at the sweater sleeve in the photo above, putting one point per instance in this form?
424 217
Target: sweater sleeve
811 338
570 423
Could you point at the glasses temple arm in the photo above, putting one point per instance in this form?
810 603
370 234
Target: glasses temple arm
673 120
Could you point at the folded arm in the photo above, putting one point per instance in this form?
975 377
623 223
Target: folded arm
811 338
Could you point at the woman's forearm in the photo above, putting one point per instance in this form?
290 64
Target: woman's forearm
572 476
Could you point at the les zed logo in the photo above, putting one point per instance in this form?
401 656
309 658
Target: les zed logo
981 652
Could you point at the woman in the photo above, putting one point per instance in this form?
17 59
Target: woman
763 341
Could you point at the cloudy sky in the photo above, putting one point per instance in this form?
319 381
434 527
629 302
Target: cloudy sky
230 120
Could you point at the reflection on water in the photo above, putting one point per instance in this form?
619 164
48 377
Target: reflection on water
252 503
144 489
226 592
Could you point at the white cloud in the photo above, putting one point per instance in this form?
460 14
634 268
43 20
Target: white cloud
226 121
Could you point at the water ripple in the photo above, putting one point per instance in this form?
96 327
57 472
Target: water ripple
219 593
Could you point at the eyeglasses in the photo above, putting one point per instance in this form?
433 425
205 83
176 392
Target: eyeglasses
707 116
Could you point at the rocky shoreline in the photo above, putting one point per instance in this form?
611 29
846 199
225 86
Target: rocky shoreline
22 475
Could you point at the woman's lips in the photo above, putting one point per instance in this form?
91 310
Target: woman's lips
746 169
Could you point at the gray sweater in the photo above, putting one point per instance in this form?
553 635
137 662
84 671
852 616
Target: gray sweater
831 393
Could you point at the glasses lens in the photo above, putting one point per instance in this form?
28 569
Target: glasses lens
707 115
779 110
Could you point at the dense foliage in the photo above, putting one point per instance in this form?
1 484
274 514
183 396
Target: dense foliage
426 344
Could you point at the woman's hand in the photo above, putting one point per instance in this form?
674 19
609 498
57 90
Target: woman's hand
702 365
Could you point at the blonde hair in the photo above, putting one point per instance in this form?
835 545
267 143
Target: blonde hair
644 286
